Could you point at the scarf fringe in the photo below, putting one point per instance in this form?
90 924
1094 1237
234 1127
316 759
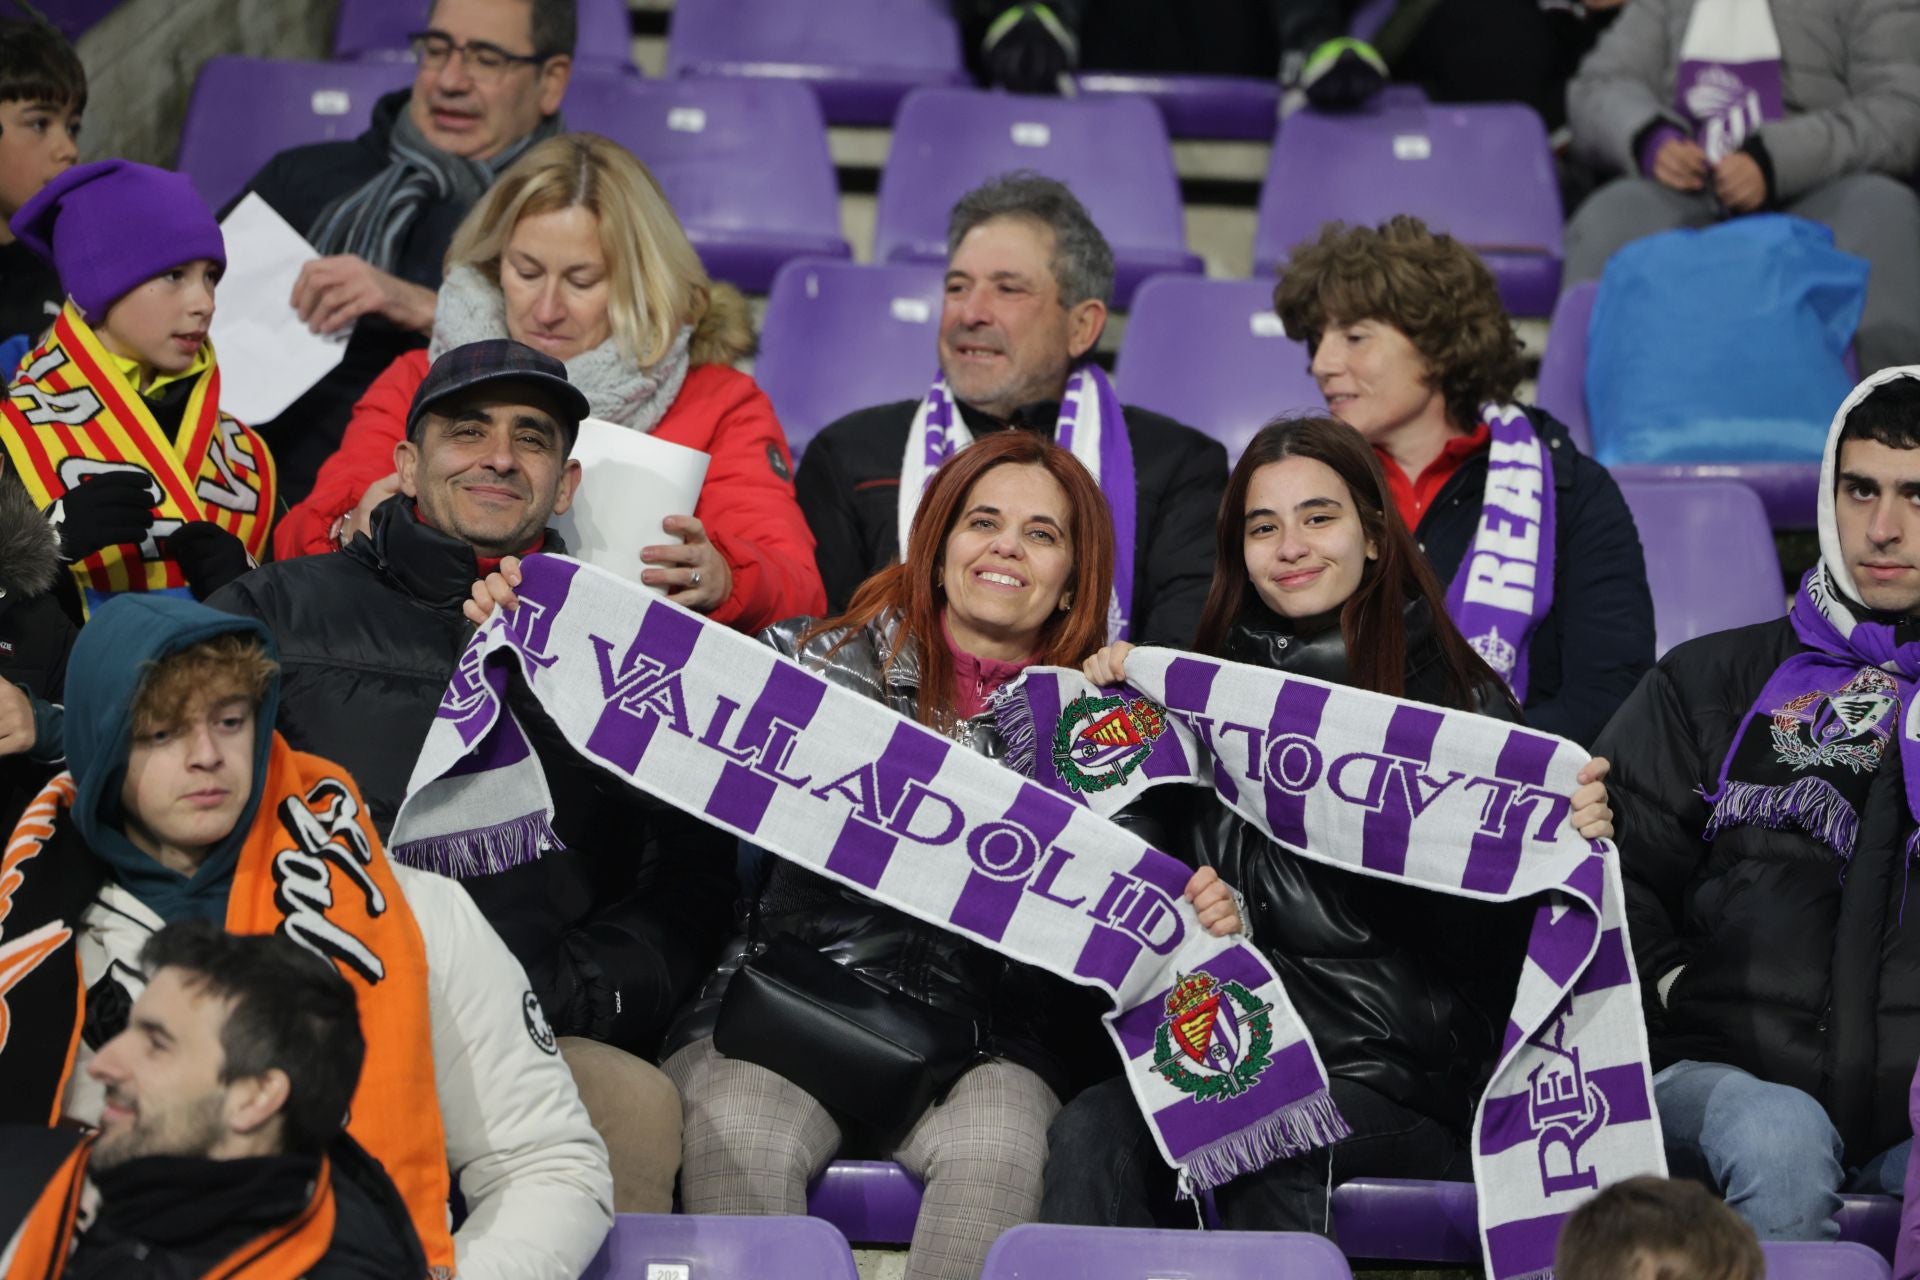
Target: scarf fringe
463 854
1013 719
1297 1128
1811 804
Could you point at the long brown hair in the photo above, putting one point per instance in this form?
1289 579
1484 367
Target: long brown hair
912 591
1372 621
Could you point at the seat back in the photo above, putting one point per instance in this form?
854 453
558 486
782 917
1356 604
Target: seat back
379 29
1809 1260
245 111
744 164
1484 174
861 56
869 1201
1212 354
659 1246
1711 564
1563 367
839 337
1113 153
1040 1252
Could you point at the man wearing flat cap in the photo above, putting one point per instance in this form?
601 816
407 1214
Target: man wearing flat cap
616 927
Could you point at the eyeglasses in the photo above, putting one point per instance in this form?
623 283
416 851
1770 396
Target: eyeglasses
483 61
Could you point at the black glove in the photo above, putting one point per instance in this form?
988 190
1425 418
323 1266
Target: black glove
209 556
103 510
1343 74
1027 50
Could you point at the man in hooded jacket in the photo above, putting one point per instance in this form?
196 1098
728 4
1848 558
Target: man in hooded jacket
1766 820
202 811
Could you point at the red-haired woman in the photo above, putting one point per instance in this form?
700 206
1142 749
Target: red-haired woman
1010 563
1405 991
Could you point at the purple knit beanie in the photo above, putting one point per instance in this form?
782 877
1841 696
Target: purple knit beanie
113 225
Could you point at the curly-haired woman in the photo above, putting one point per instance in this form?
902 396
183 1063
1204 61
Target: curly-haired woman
1412 349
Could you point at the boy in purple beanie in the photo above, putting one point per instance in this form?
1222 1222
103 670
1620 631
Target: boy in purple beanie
114 420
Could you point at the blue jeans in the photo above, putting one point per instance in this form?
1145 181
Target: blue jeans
1768 1148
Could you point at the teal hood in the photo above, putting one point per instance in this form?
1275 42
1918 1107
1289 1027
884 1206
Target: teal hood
111 657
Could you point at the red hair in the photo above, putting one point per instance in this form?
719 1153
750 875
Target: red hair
912 591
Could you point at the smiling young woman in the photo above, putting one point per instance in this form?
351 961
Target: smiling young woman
1009 563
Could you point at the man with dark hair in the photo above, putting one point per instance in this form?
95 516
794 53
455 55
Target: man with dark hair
1766 786
1029 279
1657 1229
618 923
222 1133
43 90
382 209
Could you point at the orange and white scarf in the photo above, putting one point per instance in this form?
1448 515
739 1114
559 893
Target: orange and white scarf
71 414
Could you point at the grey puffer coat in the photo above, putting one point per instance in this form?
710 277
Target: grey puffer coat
1024 1015
1850 73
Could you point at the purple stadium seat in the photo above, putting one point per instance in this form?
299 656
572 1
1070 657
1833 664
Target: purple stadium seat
1841 1260
1789 490
861 56
379 29
839 337
1229 107
744 164
1404 1219
1563 368
1113 152
1716 566
1036 1252
1212 354
1237 108
246 110
1482 173
868 1201
649 1246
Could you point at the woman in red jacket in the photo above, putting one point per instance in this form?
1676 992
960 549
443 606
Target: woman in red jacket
576 253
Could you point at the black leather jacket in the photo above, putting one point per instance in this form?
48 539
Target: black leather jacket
1025 1015
1405 991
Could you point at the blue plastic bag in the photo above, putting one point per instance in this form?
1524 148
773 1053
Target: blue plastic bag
1722 345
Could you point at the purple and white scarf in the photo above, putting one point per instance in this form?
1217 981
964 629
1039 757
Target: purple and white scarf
1448 801
1091 428
1728 83
732 732
1504 585
1808 751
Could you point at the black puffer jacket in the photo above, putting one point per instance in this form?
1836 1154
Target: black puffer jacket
1796 969
616 929
35 633
1579 674
1405 991
1025 1015
849 489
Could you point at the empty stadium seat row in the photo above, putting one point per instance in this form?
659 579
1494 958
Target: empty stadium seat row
682 1247
745 163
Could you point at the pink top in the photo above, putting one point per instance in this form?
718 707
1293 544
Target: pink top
975 680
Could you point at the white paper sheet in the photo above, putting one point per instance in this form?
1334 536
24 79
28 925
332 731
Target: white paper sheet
630 483
268 358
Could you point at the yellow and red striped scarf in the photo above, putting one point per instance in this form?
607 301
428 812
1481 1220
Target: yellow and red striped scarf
71 413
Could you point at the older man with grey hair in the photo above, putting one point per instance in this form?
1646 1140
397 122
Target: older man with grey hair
1028 281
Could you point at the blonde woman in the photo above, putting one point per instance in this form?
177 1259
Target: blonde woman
575 252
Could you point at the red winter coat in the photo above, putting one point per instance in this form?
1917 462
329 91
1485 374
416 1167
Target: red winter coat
746 504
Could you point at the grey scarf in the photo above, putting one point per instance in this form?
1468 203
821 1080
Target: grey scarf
471 309
371 222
